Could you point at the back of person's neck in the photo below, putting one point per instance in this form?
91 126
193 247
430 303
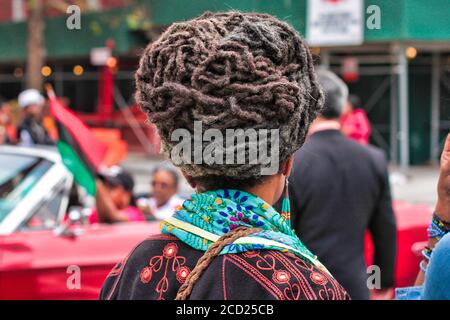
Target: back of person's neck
322 124
264 190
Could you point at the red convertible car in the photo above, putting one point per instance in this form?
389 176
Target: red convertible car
49 251
43 251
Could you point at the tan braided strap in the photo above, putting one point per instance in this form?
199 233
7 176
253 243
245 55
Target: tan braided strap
212 252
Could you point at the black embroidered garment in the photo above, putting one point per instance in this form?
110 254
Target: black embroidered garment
158 266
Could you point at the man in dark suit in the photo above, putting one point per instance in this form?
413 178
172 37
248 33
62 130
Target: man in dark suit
339 189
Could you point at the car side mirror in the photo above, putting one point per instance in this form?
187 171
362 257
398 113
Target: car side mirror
66 229
75 215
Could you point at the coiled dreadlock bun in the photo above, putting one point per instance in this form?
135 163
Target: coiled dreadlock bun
229 70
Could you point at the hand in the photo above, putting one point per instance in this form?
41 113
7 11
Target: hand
443 204
144 207
382 294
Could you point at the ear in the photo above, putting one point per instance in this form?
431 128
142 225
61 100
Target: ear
287 166
189 180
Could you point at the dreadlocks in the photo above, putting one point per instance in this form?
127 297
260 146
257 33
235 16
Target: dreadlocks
229 70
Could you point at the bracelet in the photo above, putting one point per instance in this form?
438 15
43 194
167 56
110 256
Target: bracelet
426 253
444 224
422 266
438 228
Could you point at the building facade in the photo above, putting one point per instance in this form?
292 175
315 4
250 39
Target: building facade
403 67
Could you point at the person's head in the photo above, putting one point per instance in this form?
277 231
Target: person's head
164 184
5 110
3 104
336 94
120 185
230 71
32 103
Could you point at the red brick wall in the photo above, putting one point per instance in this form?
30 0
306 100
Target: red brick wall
6 7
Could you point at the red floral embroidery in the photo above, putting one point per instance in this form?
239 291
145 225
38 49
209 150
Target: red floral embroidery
318 278
170 250
331 289
182 274
281 277
169 261
267 262
146 275
287 276
250 254
116 270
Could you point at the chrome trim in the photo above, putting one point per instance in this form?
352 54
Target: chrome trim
55 175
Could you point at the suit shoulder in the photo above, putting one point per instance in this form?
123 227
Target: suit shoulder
367 151
376 153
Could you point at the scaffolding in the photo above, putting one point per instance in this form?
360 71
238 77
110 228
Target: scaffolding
389 63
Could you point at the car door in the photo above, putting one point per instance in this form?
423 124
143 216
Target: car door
20 254
37 260
40 262
42 265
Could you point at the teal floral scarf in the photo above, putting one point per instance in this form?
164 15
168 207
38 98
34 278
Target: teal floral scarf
205 217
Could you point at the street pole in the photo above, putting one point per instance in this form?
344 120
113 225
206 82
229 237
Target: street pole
35 44
325 59
403 108
435 107
394 117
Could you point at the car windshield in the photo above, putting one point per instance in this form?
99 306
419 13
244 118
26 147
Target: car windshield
18 176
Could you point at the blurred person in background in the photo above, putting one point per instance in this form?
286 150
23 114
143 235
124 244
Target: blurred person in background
31 130
114 198
164 197
339 189
433 281
8 131
355 123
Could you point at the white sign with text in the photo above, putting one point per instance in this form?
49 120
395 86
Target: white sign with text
335 22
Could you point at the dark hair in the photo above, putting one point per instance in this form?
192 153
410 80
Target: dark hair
117 176
171 171
336 94
229 70
224 182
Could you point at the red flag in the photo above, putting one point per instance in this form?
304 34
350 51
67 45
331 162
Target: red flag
73 131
